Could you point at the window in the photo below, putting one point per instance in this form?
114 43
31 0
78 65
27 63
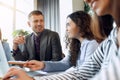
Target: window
14 16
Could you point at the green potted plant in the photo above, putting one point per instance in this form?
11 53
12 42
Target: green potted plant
20 32
86 7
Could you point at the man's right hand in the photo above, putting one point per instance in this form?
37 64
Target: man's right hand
18 40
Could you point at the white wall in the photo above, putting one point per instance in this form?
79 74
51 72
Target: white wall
66 8
77 5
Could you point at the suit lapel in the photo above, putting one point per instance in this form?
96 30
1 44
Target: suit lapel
32 48
43 45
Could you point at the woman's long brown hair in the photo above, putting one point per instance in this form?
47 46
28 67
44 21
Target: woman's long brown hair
83 21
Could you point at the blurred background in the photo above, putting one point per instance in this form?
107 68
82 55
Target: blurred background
13 15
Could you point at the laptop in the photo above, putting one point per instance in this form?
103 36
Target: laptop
7 51
3 61
4 66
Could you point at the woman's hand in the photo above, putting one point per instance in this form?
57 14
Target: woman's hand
34 65
16 74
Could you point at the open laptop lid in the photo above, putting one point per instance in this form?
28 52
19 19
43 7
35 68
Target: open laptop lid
3 61
7 51
4 66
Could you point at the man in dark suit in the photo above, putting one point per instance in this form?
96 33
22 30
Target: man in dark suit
42 44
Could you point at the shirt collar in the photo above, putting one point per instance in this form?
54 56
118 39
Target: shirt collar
84 42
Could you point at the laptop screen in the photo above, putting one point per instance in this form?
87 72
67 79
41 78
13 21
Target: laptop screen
4 66
3 61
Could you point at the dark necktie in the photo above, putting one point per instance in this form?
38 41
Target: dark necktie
37 47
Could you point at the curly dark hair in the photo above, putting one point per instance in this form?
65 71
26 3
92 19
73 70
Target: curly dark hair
83 21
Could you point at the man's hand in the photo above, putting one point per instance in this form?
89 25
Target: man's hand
18 40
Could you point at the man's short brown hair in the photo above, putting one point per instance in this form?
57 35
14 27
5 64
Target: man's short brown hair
35 12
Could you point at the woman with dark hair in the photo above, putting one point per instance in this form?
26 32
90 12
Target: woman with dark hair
80 39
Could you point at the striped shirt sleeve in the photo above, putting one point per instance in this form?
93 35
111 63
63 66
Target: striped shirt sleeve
112 72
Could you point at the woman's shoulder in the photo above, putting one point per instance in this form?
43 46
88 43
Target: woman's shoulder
90 41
